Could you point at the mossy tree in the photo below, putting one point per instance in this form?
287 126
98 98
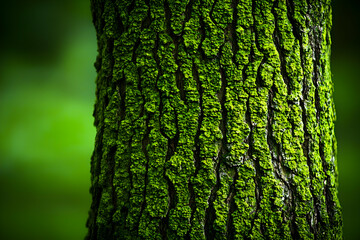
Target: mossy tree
215 120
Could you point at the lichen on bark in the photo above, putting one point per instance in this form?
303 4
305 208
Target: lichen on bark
215 120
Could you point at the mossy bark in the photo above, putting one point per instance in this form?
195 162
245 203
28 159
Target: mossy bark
215 120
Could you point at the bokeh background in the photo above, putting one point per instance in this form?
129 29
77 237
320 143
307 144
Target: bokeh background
47 92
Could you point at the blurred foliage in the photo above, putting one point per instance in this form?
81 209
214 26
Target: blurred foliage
345 64
47 90
46 101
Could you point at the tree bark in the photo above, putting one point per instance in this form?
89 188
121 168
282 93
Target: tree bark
215 120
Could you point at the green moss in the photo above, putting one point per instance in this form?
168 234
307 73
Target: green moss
215 120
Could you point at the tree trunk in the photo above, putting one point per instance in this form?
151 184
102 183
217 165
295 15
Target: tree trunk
215 120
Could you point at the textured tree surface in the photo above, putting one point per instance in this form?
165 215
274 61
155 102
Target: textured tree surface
215 120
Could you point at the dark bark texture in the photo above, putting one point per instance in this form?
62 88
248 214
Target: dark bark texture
215 120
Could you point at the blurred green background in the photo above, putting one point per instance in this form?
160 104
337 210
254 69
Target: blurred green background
47 93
